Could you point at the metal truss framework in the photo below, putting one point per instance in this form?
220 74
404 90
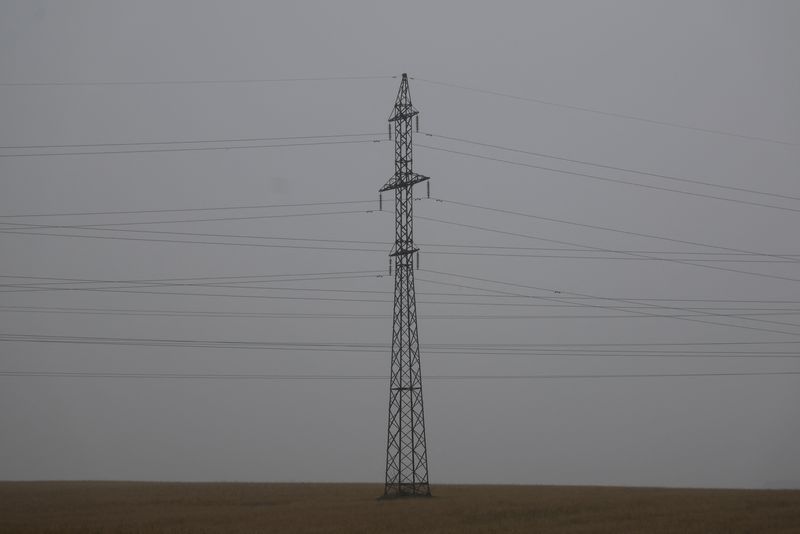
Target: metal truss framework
406 453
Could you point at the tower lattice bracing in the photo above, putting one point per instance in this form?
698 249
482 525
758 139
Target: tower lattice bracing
406 453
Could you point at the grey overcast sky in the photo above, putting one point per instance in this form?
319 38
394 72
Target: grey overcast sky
688 91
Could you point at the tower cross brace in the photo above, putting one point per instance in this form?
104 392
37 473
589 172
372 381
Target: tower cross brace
406 452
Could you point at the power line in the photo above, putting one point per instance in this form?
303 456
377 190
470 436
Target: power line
244 279
630 254
373 348
449 350
657 306
237 285
627 309
44 309
250 207
380 77
572 257
346 316
41 287
184 241
635 311
612 167
633 254
195 82
383 243
103 226
607 179
254 376
631 311
732 251
263 345
189 142
610 114
670 260
244 282
22 229
58 286
644 304
272 276
616 230
138 291
189 149
584 249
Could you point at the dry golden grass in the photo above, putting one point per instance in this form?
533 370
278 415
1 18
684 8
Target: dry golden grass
58 507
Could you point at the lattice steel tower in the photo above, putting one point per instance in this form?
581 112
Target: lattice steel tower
406 454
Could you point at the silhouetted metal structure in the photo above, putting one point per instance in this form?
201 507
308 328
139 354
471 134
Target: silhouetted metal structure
406 453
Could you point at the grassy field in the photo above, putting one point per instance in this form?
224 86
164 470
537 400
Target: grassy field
56 507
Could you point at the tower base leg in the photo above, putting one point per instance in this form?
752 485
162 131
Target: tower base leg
405 490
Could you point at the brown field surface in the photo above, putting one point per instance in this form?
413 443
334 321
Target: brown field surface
56 507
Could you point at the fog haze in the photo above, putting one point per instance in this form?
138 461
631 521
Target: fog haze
716 82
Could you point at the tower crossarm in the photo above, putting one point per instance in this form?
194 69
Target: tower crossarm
403 252
403 115
397 181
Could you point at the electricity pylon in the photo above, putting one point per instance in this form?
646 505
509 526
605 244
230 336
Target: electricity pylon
406 453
